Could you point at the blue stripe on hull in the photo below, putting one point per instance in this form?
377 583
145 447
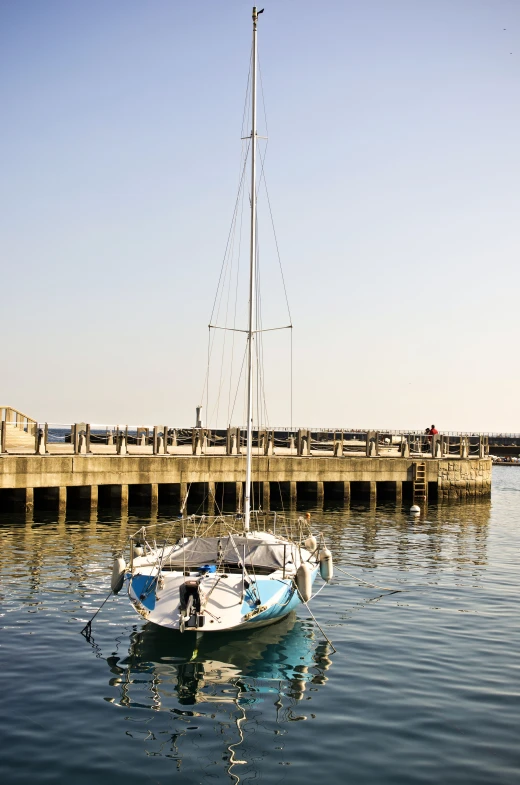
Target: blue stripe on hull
288 602
143 586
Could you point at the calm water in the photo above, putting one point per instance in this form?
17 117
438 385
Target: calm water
424 687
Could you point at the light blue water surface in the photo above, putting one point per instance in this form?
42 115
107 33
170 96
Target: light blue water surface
424 686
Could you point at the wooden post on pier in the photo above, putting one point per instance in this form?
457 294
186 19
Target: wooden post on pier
405 447
3 433
122 442
463 446
372 447
269 443
82 443
198 441
159 442
233 441
261 437
239 490
304 441
483 443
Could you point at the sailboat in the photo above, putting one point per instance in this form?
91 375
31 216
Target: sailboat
226 572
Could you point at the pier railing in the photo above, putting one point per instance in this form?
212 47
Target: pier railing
17 430
22 435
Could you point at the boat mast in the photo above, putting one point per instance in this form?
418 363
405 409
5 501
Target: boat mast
252 287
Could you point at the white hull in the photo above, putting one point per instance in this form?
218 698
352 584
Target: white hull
200 598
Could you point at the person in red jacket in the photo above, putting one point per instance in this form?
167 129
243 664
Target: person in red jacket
433 431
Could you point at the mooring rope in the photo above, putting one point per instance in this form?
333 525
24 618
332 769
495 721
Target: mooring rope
318 624
87 629
314 617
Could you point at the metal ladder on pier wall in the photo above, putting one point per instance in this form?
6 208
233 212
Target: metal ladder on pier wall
420 489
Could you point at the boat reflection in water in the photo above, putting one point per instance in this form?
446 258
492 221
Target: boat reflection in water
227 680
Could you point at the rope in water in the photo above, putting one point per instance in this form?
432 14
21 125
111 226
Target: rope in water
313 616
87 629
318 625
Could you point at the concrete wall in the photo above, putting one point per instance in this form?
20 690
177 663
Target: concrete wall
454 477
459 478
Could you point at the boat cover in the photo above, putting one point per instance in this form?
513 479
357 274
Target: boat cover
206 550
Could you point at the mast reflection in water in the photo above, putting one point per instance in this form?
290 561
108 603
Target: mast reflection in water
223 679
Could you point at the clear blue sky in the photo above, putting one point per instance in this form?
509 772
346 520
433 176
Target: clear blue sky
393 170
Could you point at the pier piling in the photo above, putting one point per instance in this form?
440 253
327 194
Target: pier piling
398 493
124 500
94 498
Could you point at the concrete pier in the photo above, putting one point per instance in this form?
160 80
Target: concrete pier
152 477
148 465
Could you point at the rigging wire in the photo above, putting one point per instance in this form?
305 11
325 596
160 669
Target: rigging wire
224 267
235 308
239 379
225 300
262 179
230 269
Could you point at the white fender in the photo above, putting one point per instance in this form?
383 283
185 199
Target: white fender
415 509
138 551
311 543
118 574
326 565
303 581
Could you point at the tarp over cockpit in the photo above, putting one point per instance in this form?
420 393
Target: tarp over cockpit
232 550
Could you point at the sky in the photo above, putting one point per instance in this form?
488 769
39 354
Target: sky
392 169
